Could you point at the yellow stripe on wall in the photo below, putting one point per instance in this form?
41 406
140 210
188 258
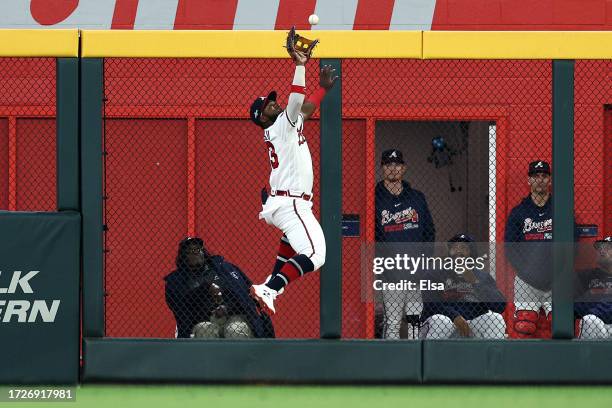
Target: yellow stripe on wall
39 43
517 45
334 44
248 44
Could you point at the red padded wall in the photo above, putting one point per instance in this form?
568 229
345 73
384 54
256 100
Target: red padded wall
593 90
3 163
146 213
353 202
36 169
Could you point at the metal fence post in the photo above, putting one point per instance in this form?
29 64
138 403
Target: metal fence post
91 187
331 207
563 199
67 113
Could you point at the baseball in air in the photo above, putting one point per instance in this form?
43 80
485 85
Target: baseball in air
313 19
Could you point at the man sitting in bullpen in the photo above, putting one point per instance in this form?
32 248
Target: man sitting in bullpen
210 298
469 305
593 287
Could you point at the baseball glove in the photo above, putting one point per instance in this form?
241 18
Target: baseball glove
296 42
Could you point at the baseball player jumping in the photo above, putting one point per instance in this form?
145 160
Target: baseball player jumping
289 207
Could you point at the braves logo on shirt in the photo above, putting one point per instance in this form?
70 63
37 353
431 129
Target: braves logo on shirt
457 290
537 230
404 219
600 286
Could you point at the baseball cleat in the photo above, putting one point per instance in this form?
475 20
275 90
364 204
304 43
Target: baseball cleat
265 297
278 292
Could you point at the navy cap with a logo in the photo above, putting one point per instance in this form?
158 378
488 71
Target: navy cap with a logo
539 166
259 105
392 156
464 238
461 238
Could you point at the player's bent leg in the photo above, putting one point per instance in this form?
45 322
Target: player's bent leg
306 237
488 326
593 328
206 330
525 323
237 328
285 252
316 248
438 327
305 234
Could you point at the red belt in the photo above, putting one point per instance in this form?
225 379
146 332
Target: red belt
283 193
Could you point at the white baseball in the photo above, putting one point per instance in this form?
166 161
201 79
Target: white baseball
313 19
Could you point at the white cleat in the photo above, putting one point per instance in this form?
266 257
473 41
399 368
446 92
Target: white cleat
265 297
279 292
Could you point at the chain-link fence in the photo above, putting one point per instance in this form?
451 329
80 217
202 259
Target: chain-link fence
444 159
183 160
27 134
593 198
446 147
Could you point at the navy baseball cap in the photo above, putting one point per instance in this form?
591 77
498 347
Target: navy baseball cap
392 156
600 242
189 241
539 166
463 238
259 105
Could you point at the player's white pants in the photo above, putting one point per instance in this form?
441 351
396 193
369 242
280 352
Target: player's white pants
526 297
397 304
294 217
593 328
487 326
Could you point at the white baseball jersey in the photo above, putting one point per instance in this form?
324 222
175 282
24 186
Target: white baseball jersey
289 155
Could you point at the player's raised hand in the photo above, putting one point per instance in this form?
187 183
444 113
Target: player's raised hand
327 77
298 57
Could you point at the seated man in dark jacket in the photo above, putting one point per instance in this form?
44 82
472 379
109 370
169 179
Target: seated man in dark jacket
470 305
210 296
593 304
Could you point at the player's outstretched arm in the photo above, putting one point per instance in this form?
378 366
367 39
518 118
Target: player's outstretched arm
297 95
327 79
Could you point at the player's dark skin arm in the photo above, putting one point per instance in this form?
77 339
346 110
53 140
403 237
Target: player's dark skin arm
327 79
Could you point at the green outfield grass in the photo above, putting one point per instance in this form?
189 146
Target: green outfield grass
334 396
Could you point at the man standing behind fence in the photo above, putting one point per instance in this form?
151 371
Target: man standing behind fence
402 215
528 236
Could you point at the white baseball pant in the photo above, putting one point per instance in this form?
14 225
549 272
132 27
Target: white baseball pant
487 326
397 304
526 297
593 328
294 217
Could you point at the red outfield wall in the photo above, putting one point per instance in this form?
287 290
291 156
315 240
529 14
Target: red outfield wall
27 134
183 159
